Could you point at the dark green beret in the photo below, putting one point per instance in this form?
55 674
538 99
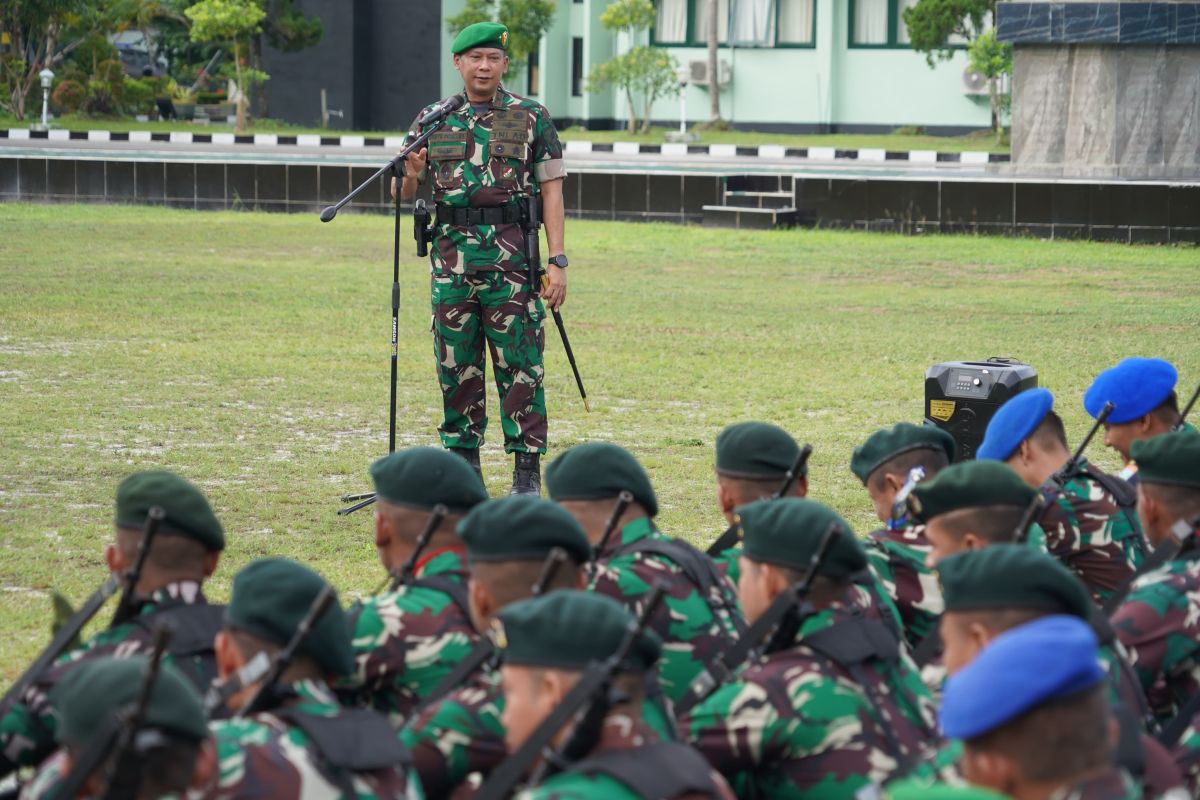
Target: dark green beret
787 532
882 446
971 484
270 598
187 511
1172 458
92 693
597 471
481 34
423 477
756 450
570 630
1008 576
522 528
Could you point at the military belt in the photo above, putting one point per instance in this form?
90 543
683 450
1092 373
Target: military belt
494 215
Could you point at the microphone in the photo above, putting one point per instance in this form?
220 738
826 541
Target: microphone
442 109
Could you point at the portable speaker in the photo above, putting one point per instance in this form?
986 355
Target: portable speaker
962 396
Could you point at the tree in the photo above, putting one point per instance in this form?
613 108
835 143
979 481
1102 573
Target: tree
992 59
527 21
931 23
36 30
714 85
642 69
235 23
287 30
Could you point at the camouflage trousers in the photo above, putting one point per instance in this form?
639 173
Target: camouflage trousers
495 307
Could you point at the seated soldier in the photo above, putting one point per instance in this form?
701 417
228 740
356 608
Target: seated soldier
1142 391
991 591
704 616
182 557
407 639
1158 622
290 738
752 462
547 642
1090 526
1032 711
898 551
509 546
172 749
835 703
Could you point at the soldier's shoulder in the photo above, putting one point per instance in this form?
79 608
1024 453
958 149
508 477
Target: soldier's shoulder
514 99
575 785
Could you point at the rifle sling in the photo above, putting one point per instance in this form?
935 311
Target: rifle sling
658 771
480 653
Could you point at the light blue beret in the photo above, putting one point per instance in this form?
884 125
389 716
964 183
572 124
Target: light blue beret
1013 424
1136 386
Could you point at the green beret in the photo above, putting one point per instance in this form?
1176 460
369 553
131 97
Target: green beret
1172 458
920 790
1008 576
884 445
597 471
756 450
787 531
481 34
95 691
423 477
270 598
569 630
971 484
522 528
187 511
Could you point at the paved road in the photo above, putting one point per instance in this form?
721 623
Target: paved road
605 161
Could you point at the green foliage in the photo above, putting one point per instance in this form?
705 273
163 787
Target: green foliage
230 21
630 16
138 95
68 96
642 70
526 20
101 99
287 29
993 59
931 23
209 98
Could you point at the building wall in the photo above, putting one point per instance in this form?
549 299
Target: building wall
830 86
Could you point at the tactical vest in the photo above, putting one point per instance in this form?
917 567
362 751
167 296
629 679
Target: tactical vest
447 585
193 628
354 741
659 771
1124 495
697 567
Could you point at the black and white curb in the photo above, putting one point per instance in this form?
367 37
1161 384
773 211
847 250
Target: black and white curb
775 152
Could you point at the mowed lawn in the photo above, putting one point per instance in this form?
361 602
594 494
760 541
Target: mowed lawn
249 352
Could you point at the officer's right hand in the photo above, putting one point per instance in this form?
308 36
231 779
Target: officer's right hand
414 163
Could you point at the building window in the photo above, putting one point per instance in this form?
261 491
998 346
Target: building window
577 66
742 23
880 23
534 74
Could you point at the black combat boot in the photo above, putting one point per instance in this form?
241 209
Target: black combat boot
527 476
471 456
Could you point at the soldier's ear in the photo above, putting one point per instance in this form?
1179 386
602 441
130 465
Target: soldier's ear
210 563
227 655
482 604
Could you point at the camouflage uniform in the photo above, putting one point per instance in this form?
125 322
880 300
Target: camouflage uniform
27 727
897 558
797 725
265 756
620 732
693 633
480 278
1087 531
405 642
1159 626
1112 785
730 565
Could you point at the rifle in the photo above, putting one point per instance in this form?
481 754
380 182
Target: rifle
120 733
1054 484
610 527
729 538
900 504
721 669
532 222
285 657
1188 409
404 575
591 691
126 608
485 650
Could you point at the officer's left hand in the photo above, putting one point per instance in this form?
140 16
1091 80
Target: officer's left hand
554 289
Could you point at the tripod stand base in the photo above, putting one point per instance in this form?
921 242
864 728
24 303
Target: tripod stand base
368 500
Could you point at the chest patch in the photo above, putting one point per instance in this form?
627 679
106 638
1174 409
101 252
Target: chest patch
509 132
448 146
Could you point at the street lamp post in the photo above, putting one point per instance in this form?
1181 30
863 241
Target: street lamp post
47 80
684 77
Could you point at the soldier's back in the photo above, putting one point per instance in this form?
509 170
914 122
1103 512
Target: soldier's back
898 559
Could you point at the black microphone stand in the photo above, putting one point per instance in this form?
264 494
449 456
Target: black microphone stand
396 168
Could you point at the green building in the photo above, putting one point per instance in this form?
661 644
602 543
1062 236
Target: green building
786 65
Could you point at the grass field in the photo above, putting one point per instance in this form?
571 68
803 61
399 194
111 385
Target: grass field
982 140
249 352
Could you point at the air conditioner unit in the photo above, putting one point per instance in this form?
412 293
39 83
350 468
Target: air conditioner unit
974 83
698 72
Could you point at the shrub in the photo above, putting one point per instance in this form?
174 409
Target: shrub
138 94
68 96
210 98
101 99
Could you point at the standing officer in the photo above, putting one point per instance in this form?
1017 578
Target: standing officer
496 156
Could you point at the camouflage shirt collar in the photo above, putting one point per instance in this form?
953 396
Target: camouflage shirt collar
444 561
631 532
182 593
500 99
818 620
622 731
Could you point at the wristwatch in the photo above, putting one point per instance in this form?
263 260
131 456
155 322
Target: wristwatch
558 261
